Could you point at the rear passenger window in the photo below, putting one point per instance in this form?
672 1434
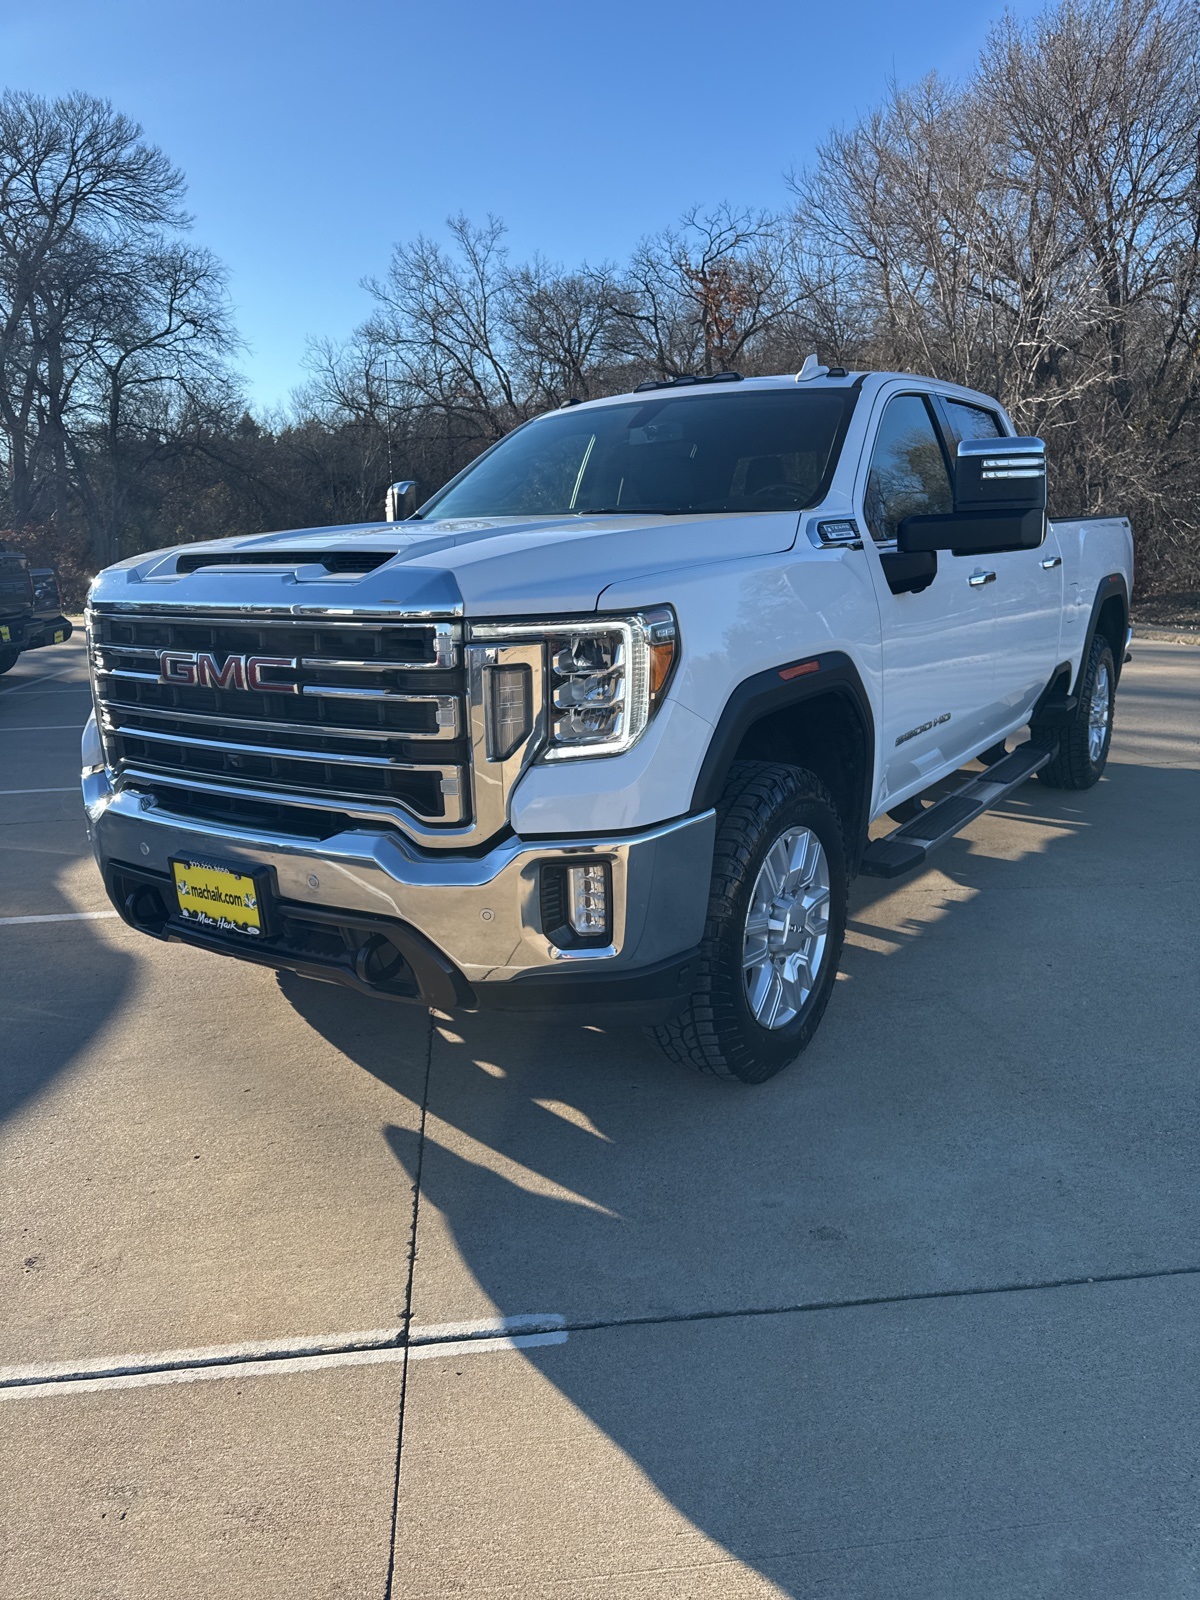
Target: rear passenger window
972 422
908 474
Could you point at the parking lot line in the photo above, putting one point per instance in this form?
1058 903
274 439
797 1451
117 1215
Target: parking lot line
58 916
57 694
49 727
283 1366
28 683
267 1357
68 789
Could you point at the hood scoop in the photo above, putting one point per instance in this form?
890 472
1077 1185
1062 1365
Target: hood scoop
339 561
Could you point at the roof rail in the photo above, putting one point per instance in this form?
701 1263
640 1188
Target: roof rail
685 378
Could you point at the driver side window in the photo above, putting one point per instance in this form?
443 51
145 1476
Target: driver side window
908 475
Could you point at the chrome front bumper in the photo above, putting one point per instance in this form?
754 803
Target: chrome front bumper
482 913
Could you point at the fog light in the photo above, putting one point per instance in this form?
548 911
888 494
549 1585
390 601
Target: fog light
587 899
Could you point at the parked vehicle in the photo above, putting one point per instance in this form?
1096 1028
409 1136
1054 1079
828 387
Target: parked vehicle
608 718
30 608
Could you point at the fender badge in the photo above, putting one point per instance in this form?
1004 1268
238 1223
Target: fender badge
913 733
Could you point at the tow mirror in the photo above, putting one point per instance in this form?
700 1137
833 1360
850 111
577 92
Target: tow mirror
401 500
999 502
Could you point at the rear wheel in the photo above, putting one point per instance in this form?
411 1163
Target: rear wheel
1083 740
773 936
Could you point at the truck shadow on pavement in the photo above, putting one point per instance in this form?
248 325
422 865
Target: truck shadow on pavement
1003 1092
46 1026
60 985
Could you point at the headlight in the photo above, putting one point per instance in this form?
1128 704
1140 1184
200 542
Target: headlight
606 677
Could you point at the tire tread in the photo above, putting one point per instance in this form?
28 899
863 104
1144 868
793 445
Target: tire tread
754 792
1071 765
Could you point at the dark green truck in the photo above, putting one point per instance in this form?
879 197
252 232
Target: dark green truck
30 608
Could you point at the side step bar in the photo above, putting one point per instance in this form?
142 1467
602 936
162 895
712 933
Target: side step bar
907 847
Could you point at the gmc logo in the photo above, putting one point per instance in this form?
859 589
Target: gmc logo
198 668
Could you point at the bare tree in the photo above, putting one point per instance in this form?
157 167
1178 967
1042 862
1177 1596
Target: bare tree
446 318
111 329
696 297
157 351
70 170
1034 232
564 332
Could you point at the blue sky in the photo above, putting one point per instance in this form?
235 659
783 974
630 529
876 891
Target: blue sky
314 135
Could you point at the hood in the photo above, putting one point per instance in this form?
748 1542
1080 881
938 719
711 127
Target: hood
500 566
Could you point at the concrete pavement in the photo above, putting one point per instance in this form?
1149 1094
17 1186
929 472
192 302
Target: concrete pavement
830 1336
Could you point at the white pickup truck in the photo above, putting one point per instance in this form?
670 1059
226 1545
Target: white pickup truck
607 720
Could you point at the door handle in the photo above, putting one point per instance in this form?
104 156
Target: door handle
978 579
1051 562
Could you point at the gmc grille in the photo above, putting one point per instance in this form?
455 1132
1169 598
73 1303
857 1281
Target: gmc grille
373 712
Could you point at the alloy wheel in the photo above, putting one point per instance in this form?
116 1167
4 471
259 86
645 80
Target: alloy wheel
1099 713
787 928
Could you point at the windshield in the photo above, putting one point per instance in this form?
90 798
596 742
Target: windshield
772 450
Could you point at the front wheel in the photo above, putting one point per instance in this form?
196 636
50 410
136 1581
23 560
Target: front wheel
775 926
8 659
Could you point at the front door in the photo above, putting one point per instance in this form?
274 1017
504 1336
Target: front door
938 645
1027 591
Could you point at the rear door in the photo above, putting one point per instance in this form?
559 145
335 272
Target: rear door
1027 591
938 645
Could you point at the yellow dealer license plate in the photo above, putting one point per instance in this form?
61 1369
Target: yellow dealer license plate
218 898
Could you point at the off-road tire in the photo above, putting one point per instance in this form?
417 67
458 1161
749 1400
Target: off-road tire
717 1031
8 659
1072 766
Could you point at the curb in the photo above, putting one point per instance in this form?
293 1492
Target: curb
1165 635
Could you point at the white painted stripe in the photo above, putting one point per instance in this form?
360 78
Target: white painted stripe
49 727
150 1380
474 1347
28 683
195 1356
380 1346
488 1327
71 788
282 1366
60 916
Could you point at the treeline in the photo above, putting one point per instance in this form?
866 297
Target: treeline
1033 232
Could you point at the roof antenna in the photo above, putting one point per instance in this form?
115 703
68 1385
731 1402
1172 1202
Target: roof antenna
387 404
812 368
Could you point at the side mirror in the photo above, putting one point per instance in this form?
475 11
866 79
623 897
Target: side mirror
908 574
401 500
1000 475
999 502
46 592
